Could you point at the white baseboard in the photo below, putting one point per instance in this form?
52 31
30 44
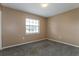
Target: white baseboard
22 43
64 42
40 40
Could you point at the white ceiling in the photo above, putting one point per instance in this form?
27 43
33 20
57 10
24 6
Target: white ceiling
35 8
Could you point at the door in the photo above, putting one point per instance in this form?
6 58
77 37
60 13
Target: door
0 32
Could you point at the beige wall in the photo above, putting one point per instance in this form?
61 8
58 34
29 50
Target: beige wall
13 27
65 27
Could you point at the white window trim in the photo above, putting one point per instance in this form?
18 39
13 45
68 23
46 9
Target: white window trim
38 25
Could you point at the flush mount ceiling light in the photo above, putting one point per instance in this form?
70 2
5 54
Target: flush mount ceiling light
44 4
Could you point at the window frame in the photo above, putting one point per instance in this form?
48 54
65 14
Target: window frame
32 25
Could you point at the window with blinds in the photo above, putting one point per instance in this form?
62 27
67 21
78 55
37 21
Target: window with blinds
32 26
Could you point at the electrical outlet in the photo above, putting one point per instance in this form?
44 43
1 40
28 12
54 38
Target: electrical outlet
60 37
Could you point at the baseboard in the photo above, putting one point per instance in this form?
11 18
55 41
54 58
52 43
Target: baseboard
64 43
40 40
22 43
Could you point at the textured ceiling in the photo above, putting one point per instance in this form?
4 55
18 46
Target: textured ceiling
35 8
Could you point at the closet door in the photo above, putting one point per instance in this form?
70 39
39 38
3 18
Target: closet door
0 32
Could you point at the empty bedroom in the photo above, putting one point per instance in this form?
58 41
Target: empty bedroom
39 29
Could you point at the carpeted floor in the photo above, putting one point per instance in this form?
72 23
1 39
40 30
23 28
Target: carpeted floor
41 48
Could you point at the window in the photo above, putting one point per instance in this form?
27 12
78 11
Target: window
32 26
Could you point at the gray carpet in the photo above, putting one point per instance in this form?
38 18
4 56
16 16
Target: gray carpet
41 48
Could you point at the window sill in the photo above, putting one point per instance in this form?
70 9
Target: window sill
31 33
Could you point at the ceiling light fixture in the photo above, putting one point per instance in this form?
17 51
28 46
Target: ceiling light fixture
44 5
